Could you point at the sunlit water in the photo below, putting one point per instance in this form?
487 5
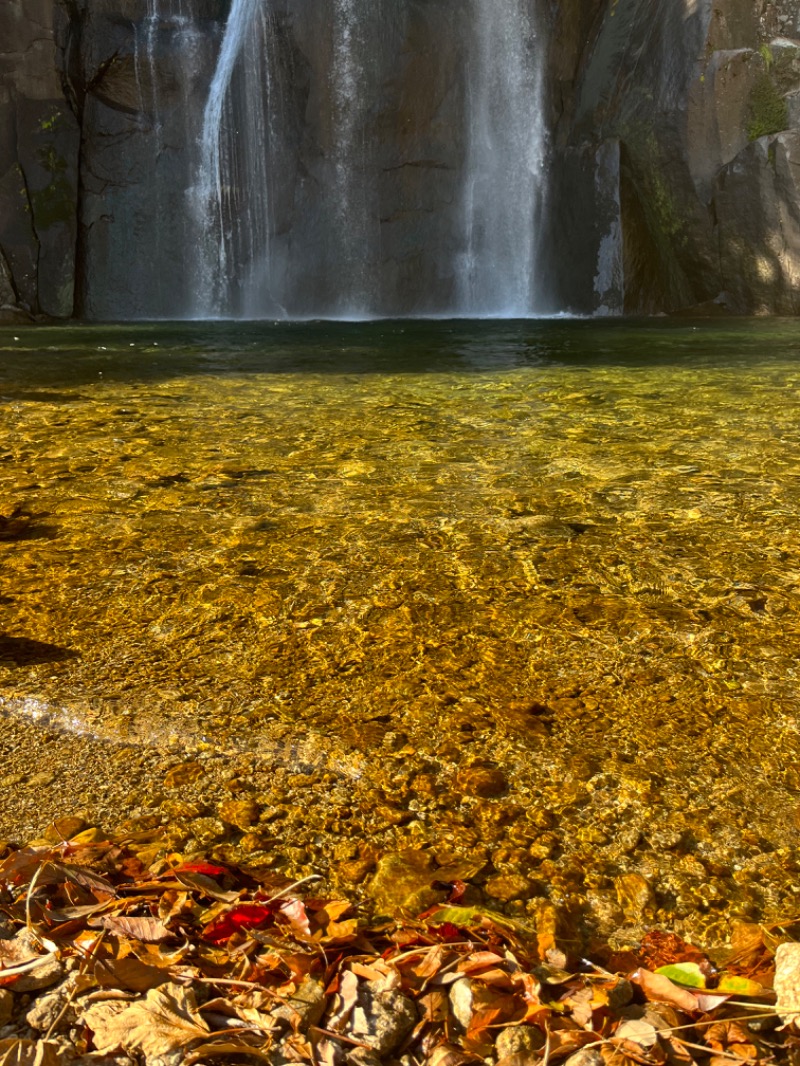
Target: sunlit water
569 550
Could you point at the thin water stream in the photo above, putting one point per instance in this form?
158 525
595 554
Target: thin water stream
388 556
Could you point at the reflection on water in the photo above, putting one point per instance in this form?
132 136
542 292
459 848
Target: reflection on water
567 550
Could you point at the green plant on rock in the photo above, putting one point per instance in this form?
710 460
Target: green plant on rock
53 204
768 111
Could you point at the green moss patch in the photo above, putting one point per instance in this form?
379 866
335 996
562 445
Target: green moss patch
768 111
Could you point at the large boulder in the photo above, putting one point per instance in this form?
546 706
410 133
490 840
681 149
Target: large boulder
757 207
689 92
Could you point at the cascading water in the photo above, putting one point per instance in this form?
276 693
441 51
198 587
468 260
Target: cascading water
350 211
306 204
503 179
162 114
233 195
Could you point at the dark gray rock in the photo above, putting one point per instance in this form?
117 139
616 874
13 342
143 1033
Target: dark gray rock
685 93
757 206
382 1018
672 176
39 140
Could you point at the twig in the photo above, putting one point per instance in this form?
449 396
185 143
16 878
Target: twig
28 897
288 889
546 1056
339 1036
708 1050
74 990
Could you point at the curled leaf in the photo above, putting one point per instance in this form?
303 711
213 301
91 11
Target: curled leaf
687 974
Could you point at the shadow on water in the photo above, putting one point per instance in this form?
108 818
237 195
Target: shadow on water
36 361
22 651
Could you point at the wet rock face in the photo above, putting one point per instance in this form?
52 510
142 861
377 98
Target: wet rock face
701 100
140 82
674 165
38 164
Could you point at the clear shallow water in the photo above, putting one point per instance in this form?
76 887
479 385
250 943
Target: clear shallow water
565 549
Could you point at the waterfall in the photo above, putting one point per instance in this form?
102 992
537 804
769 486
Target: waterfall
232 197
503 175
350 212
291 197
168 45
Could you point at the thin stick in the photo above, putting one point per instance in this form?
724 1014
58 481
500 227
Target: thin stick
708 1050
340 1036
546 1056
74 990
28 919
288 889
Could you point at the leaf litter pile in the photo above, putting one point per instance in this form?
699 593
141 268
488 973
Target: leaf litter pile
108 958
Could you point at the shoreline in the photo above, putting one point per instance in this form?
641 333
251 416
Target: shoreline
107 949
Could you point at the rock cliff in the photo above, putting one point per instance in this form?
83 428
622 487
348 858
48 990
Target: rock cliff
675 157
676 160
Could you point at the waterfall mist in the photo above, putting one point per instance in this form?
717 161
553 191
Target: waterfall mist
363 160
502 183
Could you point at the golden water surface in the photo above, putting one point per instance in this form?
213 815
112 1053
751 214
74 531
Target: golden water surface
392 554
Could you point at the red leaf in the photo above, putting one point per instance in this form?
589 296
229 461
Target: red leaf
447 932
245 916
208 869
663 949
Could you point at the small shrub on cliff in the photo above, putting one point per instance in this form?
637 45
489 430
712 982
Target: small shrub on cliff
768 111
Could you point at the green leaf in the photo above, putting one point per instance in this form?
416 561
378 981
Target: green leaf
687 974
466 916
738 986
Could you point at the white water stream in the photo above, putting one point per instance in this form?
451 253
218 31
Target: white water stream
247 269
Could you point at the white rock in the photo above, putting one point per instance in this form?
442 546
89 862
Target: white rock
584 1057
787 982
461 1002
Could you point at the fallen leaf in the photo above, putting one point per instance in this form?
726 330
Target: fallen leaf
128 973
448 1055
293 913
787 982
731 985
658 987
148 930
238 919
346 999
659 949
201 883
637 1031
164 1022
466 916
725 1034
15 1052
687 974
227 1047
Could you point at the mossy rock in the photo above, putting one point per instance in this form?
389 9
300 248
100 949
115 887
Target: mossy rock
768 112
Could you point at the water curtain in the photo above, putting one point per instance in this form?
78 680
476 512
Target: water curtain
290 235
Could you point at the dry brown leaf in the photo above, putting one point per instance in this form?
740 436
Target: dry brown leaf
148 930
165 1021
128 973
637 1031
787 982
29 1053
206 885
448 1055
20 949
660 989
227 1047
346 999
